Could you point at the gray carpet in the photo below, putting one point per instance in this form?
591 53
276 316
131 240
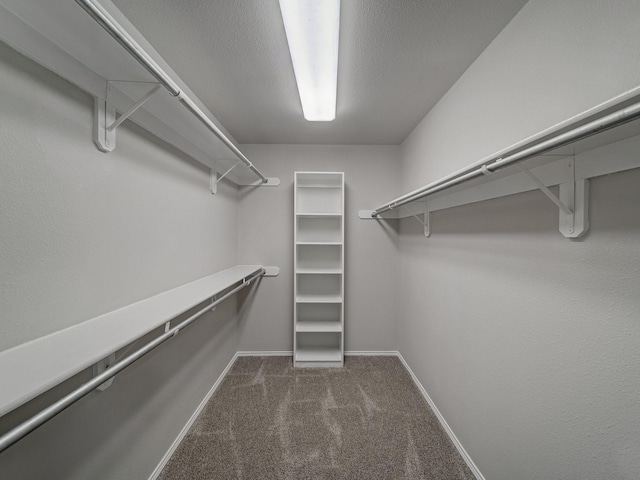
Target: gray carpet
268 420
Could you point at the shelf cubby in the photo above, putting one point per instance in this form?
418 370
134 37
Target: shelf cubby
316 257
319 285
319 317
319 230
319 193
318 347
320 180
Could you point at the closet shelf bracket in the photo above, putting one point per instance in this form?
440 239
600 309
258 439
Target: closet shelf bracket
100 367
426 223
214 179
550 195
104 116
572 202
426 213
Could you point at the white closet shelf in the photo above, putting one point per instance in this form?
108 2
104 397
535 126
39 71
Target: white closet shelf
32 368
318 243
319 299
319 215
319 271
64 38
596 142
318 354
318 326
320 180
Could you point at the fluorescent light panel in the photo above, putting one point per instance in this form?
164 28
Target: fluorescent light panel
312 28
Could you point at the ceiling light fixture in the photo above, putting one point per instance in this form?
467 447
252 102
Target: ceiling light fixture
312 28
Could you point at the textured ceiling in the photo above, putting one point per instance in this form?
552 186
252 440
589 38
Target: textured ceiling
397 58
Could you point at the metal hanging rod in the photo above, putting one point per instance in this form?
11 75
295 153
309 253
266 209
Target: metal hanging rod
509 158
29 425
114 29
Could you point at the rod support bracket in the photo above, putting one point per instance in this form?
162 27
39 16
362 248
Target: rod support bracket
100 367
485 170
426 222
572 201
213 184
271 182
366 215
575 194
105 122
104 114
214 179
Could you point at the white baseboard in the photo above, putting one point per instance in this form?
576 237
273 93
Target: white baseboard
267 353
284 353
167 456
364 353
470 463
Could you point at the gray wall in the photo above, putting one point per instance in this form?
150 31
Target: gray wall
265 233
526 341
84 233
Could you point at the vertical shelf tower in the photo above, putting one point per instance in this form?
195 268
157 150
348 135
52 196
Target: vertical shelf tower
318 337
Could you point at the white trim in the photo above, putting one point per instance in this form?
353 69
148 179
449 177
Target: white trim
284 353
466 457
272 353
167 456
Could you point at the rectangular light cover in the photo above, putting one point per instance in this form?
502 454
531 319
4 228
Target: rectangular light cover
312 28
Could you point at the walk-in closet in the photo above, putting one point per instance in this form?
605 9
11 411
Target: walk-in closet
319 239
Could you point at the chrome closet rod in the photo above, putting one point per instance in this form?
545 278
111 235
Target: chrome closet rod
114 29
606 122
29 425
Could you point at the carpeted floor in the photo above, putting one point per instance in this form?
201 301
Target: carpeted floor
268 420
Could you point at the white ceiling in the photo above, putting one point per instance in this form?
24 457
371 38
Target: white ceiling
397 58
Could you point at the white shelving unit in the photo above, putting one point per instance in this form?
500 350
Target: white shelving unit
318 336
